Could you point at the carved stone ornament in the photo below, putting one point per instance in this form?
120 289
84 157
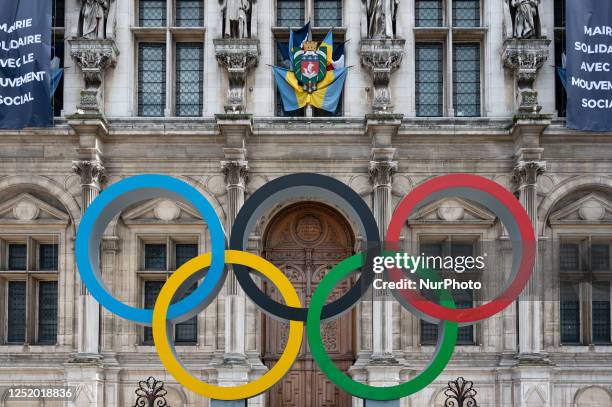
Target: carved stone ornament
381 172
379 18
527 172
91 172
237 56
94 57
525 58
236 172
381 57
97 19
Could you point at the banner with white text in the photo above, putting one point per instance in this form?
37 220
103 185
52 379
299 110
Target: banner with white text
25 59
589 64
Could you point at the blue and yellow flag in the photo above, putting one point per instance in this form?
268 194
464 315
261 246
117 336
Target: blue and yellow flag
326 96
296 38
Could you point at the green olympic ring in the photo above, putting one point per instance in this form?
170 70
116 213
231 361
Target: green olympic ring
444 348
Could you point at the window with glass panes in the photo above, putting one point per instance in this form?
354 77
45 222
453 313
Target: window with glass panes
152 13
155 259
429 80
189 84
559 34
466 13
290 13
585 291
31 266
429 13
151 79
327 13
189 13
466 79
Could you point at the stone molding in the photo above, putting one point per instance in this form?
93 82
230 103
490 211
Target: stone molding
237 57
92 172
381 57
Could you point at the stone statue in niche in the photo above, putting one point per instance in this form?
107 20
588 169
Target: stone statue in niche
381 18
236 18
97 19
524 18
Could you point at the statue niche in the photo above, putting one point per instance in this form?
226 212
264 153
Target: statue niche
236 18
380 18
523 18
97 19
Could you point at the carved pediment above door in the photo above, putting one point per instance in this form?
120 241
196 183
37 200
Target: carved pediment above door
25 208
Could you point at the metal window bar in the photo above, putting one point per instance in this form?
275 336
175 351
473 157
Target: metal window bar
189 13
16 312
152 13
429 80
328 13
17 256
151 291
47 312
151 79
189 79
429 13
466 13
466 80
47 256
570 312
290 13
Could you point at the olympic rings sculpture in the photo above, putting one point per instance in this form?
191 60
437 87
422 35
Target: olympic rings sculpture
209 270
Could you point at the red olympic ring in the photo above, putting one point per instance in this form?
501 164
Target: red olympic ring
466 315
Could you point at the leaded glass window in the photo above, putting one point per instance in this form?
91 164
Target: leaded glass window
429 80
152 13
155 257
189 13
16 312
601 312
600 257
328 13
429 13
151 79
466 13
151 291
187 332
290 13
570 312
47 256
189 81
569 257
47 312
185 252
465 334
17 256
466 80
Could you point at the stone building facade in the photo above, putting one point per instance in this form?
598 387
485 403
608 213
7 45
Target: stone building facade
163 87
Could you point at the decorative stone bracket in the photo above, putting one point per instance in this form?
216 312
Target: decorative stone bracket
94 57
525 57
382 57
237 56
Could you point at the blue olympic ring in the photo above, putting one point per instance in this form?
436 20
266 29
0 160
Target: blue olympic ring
118 197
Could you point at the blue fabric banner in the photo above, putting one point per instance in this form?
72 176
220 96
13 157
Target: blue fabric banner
25 58
589 64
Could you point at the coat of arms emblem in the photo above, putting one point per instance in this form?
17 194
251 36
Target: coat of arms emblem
310 65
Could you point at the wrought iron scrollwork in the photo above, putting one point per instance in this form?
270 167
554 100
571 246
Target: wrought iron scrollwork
460 393
151 393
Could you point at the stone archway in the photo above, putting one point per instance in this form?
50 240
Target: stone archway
305 240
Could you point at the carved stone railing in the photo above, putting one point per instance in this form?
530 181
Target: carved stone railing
525 57
237 56
151 393
381 57
460 393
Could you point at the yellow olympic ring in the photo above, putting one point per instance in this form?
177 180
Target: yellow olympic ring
166 350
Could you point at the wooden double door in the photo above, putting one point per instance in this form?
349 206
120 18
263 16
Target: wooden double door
305 241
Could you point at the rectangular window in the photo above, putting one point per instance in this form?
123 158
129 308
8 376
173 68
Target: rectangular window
570 312
151 291
17 256
184 252
16 312
47 257
466 80
189 80
47 312
187 332
429 80
600 257
601 312
466 13
151 79
569 259
155 257
152 13
328 13
465 334
429 13
57 14
189 13
290 13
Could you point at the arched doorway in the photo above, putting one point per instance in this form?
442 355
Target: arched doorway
305 241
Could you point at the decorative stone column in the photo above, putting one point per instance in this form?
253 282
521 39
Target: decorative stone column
237 56
92 175
525 57
381 57
94 57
